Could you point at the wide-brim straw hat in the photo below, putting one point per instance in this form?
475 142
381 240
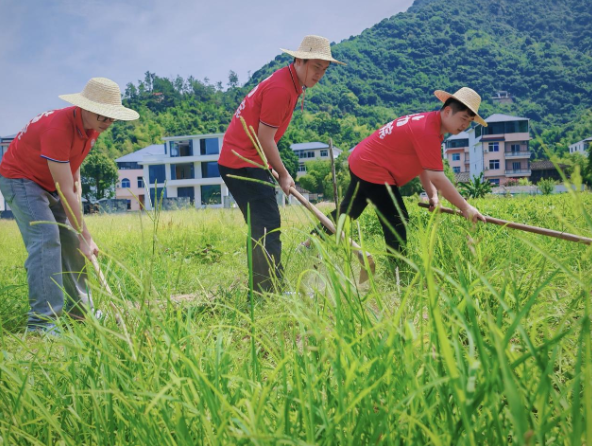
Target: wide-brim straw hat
313 47
102 96
468 97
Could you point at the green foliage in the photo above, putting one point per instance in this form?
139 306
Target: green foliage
476 188
98 175
289 158
486 341
546 186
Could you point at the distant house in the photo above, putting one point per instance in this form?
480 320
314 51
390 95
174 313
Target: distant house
545 170
187 168
5 141
456 151
500 150
581 146
131 176
502 97
309 151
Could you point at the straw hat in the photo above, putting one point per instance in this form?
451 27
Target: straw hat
101 96
468 97
313 47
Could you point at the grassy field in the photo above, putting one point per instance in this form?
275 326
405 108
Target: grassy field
485 340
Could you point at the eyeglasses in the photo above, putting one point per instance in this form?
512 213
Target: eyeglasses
102 118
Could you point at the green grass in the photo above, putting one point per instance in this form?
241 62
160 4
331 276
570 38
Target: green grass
485 342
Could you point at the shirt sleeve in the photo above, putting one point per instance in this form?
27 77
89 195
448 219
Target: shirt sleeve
56 145
275 106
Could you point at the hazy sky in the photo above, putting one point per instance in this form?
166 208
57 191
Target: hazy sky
52 47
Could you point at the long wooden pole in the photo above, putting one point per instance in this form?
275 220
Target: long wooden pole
522 227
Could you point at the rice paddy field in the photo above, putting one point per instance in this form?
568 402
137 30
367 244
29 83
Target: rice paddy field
482 338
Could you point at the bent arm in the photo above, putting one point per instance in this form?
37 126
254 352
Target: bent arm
63 176
448 191
266 137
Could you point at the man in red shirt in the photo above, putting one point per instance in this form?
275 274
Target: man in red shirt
396 153
268 109
46 153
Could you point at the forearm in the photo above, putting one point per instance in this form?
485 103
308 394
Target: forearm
272 153
449 192
428 186
73 209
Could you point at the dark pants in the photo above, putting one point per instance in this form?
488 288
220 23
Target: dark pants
260 201
392 217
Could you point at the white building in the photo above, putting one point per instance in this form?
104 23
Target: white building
189 167
581 146
312 151
456 150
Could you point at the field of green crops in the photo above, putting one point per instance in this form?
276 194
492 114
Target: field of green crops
483 338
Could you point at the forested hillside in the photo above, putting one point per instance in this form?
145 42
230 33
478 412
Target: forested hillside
540 52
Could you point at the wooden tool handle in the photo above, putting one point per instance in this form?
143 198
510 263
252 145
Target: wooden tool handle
522 227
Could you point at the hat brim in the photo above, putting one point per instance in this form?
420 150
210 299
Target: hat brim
118 112
444 96
309 55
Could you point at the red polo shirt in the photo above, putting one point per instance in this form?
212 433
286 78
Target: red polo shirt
400 151
272 103
57 135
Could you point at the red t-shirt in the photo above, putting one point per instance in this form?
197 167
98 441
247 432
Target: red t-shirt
272 103
57 135
400 151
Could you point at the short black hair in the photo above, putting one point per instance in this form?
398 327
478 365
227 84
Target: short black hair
457 106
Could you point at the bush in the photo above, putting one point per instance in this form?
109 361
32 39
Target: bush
546 186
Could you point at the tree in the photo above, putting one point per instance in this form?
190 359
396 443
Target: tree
232 79
546 186
288 157
476 188
98 174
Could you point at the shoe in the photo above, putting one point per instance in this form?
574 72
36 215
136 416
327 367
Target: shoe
302 247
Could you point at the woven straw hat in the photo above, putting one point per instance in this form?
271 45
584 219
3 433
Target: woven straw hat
101 96
313 47
468 97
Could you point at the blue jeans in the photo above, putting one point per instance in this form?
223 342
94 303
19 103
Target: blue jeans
56 270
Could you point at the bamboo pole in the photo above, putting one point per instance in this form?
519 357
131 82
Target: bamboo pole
522 227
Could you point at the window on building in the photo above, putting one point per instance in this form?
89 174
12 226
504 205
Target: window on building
494 181
128 166
301 168
125 183
515 148
209 146
182 171
160 194
181 148
211 194
516 166
455 143
310 154
186 192
210 170
494 164
156 174
324 153
140 182
456 157
456 169
478 131
494 146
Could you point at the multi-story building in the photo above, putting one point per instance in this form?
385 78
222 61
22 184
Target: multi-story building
188 168
456 151
581 146
310 151
4 143
500 150
130 184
